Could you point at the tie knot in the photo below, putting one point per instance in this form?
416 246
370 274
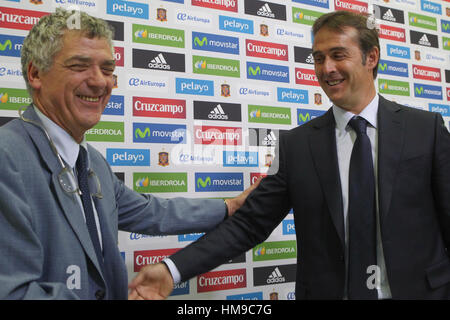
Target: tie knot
358 124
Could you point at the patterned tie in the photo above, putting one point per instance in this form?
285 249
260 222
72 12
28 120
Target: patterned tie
361 215
83 184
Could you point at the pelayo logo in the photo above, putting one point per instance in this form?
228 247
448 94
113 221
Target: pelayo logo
127 9
235 24
218 181
108 131
152 182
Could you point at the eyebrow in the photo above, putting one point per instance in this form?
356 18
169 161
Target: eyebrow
331 50
87 59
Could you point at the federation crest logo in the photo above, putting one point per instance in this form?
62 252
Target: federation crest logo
163 158
161 14
317 99
225 90
263 30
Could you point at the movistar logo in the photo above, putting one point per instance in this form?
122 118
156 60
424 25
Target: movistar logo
383 66
203 183
419 90
199 42
254 72
6 44
141 134
304 117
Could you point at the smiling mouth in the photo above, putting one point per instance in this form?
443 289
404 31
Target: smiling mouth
334 82
89 99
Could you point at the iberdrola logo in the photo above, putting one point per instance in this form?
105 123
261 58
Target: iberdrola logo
3 97
298 15
200 64
413 19
255 114
141 34
383 86
142 182
260 251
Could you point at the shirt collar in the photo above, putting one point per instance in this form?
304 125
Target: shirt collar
66 146
342 117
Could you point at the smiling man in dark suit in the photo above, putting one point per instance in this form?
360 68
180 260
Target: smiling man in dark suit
369 183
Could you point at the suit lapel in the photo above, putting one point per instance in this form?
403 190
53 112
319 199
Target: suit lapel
68 202
390 143
322 143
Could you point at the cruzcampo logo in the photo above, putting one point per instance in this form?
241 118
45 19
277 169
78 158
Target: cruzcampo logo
106 131
153 182
399 88
421 21
216 66
158 36
304 16
446 43
275 250
265 114
13 99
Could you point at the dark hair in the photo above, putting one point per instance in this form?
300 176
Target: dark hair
367 31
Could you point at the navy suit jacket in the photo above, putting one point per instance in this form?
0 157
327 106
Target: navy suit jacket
414 208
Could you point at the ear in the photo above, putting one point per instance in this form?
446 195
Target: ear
34 76
372 58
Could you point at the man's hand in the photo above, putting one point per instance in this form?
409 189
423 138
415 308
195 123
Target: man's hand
153 282
237 202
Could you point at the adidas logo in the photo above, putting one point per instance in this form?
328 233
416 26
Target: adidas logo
389 16
265 11
424 41
275 277
310 58
270 139
159 63
217 113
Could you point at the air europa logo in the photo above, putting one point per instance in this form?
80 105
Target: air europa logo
19 19
266 50
222 280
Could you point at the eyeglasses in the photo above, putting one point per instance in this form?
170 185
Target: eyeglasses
66 177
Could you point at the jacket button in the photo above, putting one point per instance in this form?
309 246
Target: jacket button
100 294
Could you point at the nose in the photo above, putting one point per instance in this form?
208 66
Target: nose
97 79
328 66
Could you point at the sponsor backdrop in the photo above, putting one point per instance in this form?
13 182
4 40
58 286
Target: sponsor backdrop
204 88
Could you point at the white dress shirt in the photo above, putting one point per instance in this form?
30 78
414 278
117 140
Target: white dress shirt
345 138
68 148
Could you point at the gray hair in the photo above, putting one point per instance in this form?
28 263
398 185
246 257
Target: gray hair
44 40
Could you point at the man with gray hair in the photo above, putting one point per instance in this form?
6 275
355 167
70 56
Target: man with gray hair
61 206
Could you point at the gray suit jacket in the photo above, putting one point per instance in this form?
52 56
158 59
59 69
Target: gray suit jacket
45 248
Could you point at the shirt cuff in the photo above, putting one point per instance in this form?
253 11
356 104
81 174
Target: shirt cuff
173 270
